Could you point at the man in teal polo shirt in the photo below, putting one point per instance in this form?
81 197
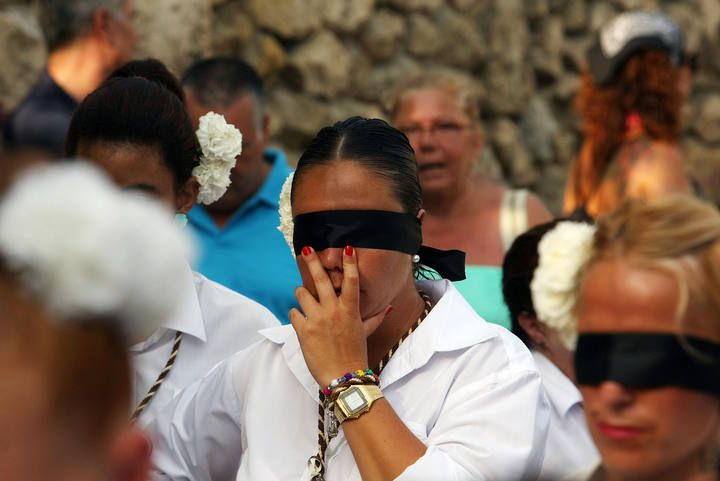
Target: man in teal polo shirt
241 247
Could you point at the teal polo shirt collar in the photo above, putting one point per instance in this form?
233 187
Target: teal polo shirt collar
268 194
270 190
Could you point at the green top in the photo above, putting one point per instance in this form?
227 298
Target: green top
483 290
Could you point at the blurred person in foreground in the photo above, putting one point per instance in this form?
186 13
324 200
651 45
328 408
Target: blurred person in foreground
68 239
630 102
440 114
648 352
539 273
241 247
86 40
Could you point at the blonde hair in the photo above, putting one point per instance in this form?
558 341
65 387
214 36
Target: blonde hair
456 85
678 234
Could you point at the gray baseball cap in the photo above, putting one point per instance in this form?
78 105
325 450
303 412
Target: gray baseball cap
629 33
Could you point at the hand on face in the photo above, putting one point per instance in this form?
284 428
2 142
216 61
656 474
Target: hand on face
332 333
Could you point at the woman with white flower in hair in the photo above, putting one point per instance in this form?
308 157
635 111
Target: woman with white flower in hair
136 128
540 273
69 308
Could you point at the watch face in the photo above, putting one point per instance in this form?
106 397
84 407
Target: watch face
354 401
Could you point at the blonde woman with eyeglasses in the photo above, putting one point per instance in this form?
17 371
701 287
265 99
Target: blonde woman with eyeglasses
440 114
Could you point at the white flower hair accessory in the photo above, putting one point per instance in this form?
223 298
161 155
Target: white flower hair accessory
221 143
87 249
287 225
562 254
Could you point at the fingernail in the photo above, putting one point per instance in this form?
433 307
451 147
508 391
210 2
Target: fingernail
388 310
349 251
306 251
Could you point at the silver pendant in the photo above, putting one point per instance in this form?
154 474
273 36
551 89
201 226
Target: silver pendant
314 468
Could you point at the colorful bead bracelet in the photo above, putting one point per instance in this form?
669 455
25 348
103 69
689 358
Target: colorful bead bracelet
367 375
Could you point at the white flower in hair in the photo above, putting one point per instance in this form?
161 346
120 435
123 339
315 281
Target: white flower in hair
89 250
221 144
287 225
562 254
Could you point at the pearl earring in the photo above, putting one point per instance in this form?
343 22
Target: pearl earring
416 259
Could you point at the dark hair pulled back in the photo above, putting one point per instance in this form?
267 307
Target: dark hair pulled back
375 145
518 270
141 103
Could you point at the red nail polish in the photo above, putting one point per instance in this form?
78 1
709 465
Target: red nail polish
306 251
388 310
349 251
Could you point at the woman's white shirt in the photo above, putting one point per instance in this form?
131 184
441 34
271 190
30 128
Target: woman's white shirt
216 323
469 390
570 447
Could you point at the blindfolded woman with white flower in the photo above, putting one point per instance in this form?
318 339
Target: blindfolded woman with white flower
540 273
136 128
380 376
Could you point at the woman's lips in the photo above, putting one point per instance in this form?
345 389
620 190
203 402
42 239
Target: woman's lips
430 166
619 432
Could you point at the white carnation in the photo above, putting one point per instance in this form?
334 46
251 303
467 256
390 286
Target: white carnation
287 226
87 249
221 144
218 139
562 253
214 179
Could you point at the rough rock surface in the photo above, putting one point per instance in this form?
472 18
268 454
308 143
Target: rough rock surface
23 52
382 36
321 65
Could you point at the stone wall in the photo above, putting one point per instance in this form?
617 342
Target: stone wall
328 59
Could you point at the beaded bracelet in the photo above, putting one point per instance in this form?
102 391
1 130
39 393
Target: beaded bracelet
368 376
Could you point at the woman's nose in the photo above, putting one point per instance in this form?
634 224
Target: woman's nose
331 258
615 395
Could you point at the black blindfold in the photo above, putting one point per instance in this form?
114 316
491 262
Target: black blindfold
647 361
374 229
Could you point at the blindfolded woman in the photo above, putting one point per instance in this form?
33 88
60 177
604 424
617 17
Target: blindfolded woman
648 354
380 376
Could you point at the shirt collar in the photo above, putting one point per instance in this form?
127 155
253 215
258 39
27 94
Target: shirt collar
285 336
451 325
47 82
270 190
562 392
188 318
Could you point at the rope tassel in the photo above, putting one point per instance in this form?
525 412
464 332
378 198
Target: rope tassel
158 382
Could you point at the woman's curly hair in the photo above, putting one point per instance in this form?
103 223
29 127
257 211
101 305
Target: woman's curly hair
647 85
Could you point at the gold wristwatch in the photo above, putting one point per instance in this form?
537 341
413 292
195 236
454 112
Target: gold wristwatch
356 401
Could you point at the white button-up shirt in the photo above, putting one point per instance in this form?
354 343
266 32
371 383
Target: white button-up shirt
570 447
216 323
469 390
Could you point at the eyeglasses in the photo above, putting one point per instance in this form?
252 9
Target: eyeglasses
439 131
